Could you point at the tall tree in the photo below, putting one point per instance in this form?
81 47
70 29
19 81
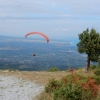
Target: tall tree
89 44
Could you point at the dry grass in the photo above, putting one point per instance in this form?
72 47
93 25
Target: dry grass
41 77
44 96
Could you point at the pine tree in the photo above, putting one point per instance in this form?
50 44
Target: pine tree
89 44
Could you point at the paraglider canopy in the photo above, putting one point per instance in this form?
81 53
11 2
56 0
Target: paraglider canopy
47 39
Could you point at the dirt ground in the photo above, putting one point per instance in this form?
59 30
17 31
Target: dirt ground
41 77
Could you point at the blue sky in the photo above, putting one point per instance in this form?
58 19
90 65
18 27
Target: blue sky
56 18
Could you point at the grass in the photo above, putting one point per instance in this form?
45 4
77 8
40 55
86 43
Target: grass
44 96
41 77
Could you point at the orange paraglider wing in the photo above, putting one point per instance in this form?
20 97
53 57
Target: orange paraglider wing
47 39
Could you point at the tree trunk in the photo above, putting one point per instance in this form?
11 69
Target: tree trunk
88 64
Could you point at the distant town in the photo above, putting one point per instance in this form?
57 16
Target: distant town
17 53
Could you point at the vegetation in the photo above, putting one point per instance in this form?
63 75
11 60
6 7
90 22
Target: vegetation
97 75
93 67
97 79
53 69
99 62
73 87
97 72
90 44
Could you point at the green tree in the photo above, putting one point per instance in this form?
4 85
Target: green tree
89 44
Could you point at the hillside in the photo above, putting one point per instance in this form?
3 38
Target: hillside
28 85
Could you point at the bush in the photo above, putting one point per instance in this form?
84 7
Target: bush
93 67
97 72
97 79
73 87
98 98
52 85
70 92
53 69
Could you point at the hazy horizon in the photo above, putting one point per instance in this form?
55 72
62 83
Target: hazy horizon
73 41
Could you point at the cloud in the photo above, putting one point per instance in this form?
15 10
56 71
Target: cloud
50 7
22 8
49 16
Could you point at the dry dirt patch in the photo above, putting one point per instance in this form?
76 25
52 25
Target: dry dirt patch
12 88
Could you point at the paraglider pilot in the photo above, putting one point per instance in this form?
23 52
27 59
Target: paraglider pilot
34 54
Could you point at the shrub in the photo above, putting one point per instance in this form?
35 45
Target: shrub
97 79
97 72
69 92
52 85
73 87
98 98
53 69
93 67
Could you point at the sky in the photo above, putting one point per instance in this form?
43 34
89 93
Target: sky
58 19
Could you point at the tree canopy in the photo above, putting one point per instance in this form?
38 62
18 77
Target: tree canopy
89 44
